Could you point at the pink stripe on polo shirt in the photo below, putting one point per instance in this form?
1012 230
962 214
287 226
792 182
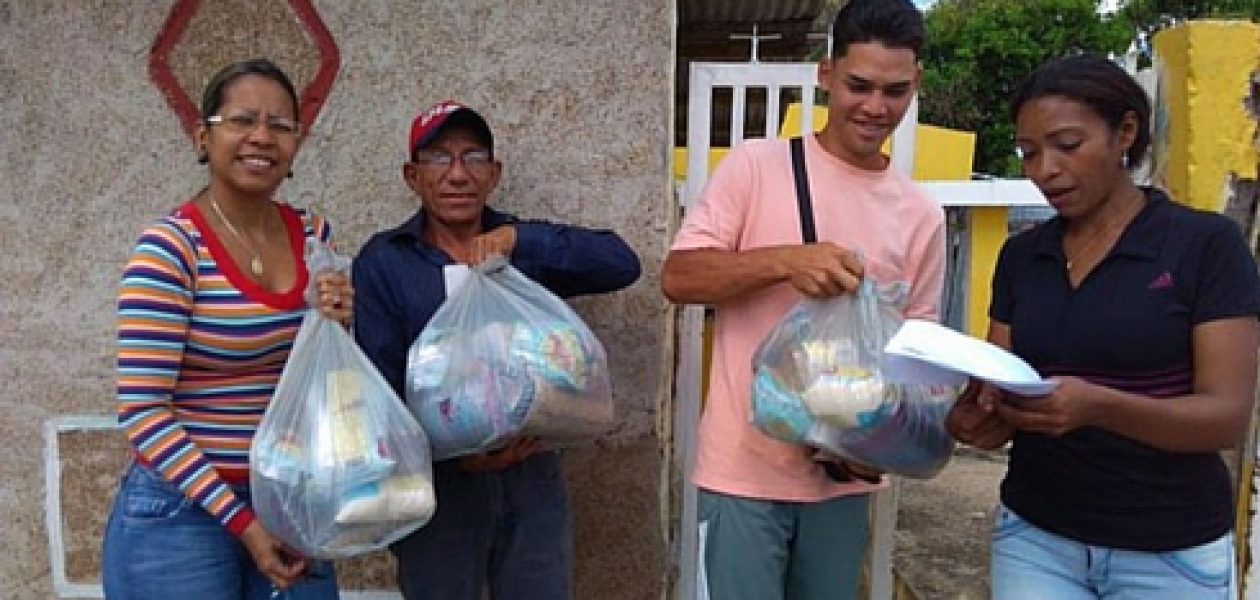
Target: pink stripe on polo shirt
750 202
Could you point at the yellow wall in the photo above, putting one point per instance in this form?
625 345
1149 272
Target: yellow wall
1203 132
940 154
680 160
986 232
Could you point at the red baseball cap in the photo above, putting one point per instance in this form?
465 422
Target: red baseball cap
442 116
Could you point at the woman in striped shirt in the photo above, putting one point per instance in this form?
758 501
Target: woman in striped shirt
209 306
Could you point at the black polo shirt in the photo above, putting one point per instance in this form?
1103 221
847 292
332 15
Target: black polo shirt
1128 326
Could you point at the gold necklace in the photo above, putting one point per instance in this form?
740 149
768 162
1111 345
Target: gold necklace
1079 253
1106 232
255 263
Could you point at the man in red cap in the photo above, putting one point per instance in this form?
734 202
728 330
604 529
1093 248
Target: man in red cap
502 519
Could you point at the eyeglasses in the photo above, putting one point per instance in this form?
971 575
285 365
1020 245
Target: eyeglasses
248 122
477 162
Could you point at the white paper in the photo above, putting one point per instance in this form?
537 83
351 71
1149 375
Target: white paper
454 276
925 352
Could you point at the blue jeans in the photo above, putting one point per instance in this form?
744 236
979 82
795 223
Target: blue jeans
160 545
1030 563
767 550
509 530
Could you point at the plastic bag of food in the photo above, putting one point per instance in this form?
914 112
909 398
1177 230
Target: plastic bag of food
503 358
817 382
338 465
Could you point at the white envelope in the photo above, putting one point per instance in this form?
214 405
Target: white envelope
924 352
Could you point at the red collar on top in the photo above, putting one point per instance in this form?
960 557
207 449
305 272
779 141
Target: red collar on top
291 299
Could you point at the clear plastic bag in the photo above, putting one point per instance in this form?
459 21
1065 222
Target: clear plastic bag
503 357
817 382
338 466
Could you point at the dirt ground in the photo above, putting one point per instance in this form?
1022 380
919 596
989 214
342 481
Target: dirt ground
943 528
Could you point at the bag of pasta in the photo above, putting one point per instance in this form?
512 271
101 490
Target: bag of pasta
338 466
817 382
502 358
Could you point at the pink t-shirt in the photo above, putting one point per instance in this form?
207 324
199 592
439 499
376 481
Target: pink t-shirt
750 202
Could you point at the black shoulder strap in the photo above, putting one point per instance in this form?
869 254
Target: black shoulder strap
803 200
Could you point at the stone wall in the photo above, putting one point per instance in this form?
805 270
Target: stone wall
93 146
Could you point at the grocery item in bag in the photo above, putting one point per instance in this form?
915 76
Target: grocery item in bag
504 358
817 382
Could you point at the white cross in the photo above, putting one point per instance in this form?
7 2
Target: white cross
756 40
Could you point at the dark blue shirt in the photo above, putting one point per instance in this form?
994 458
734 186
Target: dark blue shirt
399 283
1127 326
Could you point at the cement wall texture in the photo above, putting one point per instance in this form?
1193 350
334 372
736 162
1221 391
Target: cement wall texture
579 93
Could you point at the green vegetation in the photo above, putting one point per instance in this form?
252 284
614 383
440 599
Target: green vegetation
978 50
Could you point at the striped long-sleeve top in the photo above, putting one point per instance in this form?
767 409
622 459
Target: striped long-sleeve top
200 350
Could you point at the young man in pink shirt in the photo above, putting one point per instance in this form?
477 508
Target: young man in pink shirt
777 524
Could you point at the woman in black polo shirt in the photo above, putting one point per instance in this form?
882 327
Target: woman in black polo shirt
1145 311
